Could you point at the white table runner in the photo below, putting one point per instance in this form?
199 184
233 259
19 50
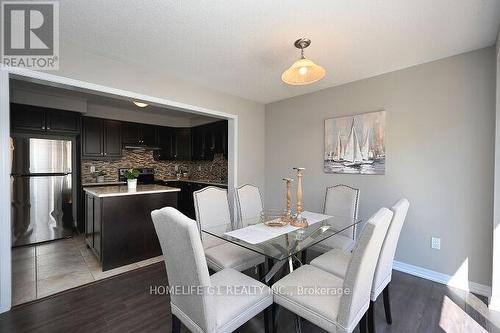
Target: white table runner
259 233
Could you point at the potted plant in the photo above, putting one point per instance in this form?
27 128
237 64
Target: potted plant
99 175
131 175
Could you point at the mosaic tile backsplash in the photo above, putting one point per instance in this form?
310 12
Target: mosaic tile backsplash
215 170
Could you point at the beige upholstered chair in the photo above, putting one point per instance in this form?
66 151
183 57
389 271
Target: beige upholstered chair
336 262
330 311
212 209
208 307
249 204
341 200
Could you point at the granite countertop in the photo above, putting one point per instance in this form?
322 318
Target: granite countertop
117 191
104 183
201 181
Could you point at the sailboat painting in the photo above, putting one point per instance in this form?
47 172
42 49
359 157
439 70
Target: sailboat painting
355 144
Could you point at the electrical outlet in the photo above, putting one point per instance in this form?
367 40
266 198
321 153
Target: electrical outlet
436 243
176 167
92 169
199 168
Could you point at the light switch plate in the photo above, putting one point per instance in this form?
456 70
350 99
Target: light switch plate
436 243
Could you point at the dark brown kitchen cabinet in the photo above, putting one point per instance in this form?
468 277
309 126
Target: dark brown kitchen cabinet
130 132
92 137
220 137
208 140
62 121
39 119
101 138
112 138
89 220
139 134
200 151
148 134
182 144
27 117
119 229
165 143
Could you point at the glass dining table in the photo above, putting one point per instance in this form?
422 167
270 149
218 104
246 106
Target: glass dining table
289 248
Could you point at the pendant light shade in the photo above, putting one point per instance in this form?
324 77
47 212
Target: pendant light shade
303 71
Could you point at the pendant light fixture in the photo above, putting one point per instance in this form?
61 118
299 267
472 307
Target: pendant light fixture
303 71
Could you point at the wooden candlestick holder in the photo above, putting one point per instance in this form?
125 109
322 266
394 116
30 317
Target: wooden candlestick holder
288 196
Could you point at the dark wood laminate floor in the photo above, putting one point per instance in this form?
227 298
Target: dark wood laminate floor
124 304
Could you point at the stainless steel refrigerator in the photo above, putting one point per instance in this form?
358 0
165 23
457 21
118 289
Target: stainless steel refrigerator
41 190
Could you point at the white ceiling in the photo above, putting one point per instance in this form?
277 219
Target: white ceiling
242 47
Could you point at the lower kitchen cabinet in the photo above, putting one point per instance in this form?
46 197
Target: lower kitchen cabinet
119 229
186 199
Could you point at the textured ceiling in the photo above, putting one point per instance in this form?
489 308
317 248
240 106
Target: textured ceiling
242 47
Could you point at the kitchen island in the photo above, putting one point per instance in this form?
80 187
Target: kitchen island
118 224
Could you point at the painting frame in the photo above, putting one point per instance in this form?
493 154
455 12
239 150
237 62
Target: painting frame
356 144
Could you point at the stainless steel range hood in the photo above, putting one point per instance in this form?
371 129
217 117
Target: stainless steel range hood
140 147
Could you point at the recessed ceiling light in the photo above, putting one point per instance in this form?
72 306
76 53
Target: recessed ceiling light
140 104
303 71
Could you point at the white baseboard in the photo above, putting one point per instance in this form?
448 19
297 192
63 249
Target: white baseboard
428 274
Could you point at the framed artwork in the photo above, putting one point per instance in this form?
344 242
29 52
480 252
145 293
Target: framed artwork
355 144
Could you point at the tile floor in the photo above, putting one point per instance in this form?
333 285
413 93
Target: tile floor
42 270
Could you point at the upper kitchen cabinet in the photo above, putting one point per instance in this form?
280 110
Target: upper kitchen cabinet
208 140
220 137
165 143
112 138
38 119
92 137
200 144
101 138
182 144
62 121
139 134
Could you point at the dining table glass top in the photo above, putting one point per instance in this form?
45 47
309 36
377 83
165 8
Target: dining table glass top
288 244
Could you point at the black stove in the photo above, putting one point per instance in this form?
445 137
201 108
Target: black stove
146 175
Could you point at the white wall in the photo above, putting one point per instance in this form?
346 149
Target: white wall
440 155
495 279
80 65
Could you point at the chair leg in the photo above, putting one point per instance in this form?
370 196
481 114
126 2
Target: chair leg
387 305
176 324
371 319
303 257
298 324
267 314
274 317
261 271
362 324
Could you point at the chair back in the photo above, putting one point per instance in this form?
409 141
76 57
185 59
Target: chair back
343 200
361 269
383 272
211 207
249 204
184 256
